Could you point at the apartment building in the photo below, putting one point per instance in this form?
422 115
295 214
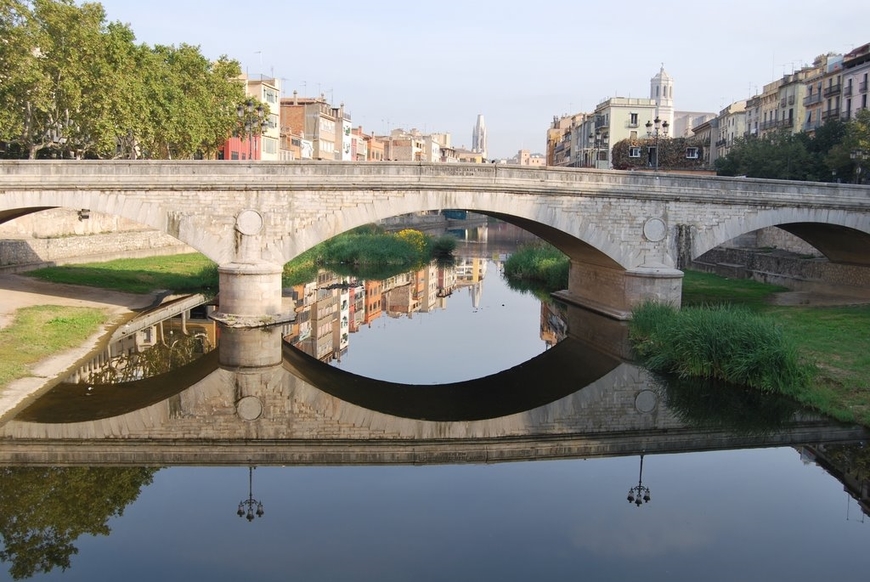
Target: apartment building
258 136
318 122
856 69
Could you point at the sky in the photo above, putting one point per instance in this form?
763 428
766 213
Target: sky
435 66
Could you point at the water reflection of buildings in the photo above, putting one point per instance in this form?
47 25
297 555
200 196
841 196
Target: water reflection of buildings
180 326
847 463
331 308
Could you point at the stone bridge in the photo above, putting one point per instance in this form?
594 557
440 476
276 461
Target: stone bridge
256 400
627 233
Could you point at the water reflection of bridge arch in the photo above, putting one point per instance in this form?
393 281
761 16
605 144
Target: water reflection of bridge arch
620 412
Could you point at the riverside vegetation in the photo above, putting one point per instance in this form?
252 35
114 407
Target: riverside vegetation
728 330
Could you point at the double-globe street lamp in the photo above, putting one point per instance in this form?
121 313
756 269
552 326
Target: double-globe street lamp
858 156
253 122
657 128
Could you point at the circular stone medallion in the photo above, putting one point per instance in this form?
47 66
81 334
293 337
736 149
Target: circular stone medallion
654 229
249 222
249 408
646 401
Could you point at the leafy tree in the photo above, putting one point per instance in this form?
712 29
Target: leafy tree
779 156
857 137
73 85
43 510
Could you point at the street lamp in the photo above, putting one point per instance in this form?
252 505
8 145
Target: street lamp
858 156
252 122
594 143
654 129
250 502
639 494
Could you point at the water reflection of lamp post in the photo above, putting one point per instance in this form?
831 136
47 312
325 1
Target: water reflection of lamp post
639 494
250 502
654 129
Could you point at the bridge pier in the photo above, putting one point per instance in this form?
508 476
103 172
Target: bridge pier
615 292
250 295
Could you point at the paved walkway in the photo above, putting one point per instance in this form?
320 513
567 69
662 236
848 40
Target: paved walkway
17 291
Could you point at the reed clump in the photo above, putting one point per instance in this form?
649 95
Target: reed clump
723 342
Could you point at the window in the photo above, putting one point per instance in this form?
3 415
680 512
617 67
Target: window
634 152
632 119
692 153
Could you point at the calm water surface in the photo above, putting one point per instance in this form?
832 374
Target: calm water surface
751 514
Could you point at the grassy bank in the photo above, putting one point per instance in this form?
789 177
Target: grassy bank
180 273
39 332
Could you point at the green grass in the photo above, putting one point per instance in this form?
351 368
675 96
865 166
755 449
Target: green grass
832 341
187 272
708 289
39 332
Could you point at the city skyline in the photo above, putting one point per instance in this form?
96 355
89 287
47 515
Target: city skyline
396 65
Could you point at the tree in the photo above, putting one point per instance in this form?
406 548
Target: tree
75 86
780 155
857 138
43 510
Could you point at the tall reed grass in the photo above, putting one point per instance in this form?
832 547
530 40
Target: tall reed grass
723 342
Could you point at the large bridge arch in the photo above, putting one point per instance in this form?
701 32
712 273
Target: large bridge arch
574 234
151 213
842 236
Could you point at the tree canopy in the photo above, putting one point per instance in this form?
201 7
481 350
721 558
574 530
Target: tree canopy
73 85
823 156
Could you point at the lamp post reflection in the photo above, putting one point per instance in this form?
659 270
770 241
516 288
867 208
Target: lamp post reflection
246 506
639 494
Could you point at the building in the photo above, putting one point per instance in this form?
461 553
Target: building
259 135
478 137
856 67
318 122
524 158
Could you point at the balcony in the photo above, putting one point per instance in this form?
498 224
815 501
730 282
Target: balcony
791 99
832 90
812 99
765 125
830 114
847 90
721 143
862 86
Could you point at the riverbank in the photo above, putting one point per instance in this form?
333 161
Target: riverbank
19 292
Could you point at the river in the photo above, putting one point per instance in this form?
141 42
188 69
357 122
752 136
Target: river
484 448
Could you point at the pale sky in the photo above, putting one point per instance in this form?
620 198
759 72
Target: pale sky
435 66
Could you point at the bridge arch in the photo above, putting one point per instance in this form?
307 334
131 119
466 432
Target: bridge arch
571 232
842 236
151 213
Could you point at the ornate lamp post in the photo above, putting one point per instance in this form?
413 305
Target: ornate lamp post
858 156
252 122
594 143
654 129
639 494
250 502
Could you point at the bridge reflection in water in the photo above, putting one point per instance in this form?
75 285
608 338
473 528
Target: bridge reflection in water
257 400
